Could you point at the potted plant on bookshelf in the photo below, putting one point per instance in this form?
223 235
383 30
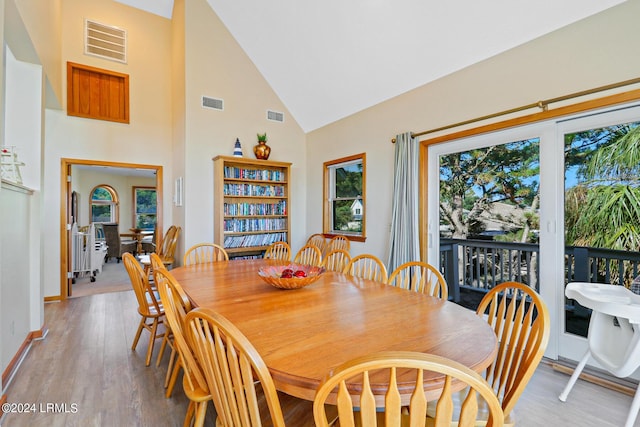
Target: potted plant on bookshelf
262 150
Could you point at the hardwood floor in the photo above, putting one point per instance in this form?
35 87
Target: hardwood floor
86 360
113 278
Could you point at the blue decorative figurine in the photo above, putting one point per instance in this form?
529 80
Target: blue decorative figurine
237 150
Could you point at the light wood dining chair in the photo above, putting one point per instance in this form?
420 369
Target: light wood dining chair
336 260
149 308
367 266
338 242
372 383
167 249
193 381
319 241
308 255
278 250
204 253
232 364
520 320
174 362
421 277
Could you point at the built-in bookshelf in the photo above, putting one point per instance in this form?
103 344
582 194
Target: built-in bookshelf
251 204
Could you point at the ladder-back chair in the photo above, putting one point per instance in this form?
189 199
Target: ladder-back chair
278 250
367 392
309 255
338 242
520 320
367 266
149 307
336 260
421 277
193 380
230 364
204 253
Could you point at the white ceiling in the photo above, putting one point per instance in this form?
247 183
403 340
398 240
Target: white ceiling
327 60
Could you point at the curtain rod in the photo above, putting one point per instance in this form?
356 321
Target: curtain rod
543 105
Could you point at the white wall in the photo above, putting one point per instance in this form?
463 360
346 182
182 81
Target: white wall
21 290
15 293
145 140
23 121
591 53
216 66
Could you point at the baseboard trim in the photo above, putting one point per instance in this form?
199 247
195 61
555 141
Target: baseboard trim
14 364
602 379
3 400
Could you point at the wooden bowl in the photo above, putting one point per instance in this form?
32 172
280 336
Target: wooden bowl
272 275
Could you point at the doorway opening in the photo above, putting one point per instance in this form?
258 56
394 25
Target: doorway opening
75 208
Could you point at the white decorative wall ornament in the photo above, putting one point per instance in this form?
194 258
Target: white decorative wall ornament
178 191
10 165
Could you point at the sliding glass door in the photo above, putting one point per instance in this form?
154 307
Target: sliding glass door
529 203
601 210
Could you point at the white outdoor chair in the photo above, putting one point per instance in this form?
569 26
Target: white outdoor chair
614 333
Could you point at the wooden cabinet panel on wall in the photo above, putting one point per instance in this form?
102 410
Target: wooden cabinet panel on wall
95 93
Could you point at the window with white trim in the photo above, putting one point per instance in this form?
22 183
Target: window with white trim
144 207
104 204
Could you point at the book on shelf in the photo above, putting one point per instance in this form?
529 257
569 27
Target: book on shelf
254 224
253 240
253 174
260 190
246 209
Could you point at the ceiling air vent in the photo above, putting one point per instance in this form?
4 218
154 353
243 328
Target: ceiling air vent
213 103
105 41
275 116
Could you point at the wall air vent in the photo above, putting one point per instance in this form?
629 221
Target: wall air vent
213 103
275 116
105 41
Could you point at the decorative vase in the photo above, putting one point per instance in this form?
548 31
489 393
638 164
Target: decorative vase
262 150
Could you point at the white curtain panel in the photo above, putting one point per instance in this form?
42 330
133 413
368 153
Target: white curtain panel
404 241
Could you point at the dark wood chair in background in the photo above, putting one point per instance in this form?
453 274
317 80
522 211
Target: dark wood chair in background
116 247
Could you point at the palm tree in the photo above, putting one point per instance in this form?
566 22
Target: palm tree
603 210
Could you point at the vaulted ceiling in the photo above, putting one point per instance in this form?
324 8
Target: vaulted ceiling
327 60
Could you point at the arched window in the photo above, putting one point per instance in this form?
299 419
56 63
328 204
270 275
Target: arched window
104 204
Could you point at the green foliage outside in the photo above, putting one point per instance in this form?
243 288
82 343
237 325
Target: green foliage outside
101 193
146 207
348 181
101 213
471 181
602 209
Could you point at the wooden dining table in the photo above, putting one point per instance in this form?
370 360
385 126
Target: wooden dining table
302 334
137 235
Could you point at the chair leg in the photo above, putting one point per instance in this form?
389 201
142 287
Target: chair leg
191 409
165 340
152 340
172 362
576 373
201 412
174 378
138 333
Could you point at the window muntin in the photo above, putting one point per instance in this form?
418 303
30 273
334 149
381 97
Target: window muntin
345 196
144 207
103 204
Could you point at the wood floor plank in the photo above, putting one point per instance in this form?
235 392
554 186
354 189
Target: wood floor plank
86 359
